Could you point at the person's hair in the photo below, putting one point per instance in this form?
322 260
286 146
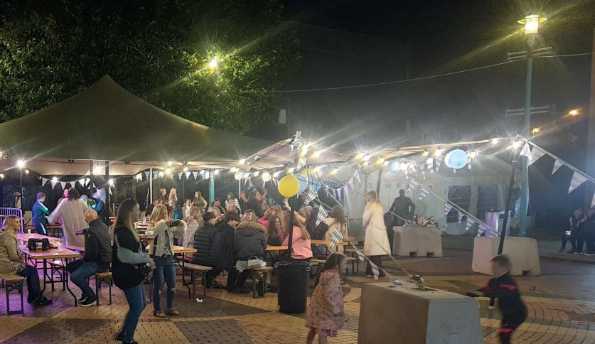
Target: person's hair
372 195
73 194
124 211
272 230
40 195
338 214
209 215
231 195
333 261
502 260
8 219
195 212
232 216
401 191
159 213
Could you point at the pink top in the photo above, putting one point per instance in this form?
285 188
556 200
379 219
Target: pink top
264 221
301 247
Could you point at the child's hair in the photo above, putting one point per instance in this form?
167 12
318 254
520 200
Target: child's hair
333 261
502 260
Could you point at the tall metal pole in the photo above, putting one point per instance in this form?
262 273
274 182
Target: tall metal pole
150 186
508 205
211 187
524 199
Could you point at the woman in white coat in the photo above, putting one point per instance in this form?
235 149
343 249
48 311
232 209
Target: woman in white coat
71 213
376 242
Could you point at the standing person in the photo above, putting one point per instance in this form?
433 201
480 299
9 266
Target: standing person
402 209
193 222
129 276
217 205
588 231
504 288
232 203
227 257
326 313
243 201
200 201
97 258
337 228
71 213
12 261
39 213
376 242
276 231
256 203
301 247
163 197
570 234
165 261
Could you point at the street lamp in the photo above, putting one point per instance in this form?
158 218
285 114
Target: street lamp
21 164
213 64
574 112
531 23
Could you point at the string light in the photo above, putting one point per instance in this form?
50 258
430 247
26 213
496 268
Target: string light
277 174
316 154
334 172
185 169
572 113
111 182
290 170
27 171
234 169
473 154
256 174
438 152
21 163
161 174
237 176
242 161
516 144
207 175
1 175
425 153
494 141
216 172
380 161
55 179
266 176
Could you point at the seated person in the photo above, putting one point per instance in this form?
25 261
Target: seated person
227 236
276 231
97 258
208 247
250 243
301 248
11 261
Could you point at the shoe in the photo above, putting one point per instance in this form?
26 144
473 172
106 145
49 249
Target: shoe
83 298
172 312
88 302
158 314
42 301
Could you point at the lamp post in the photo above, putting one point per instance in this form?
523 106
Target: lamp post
531 24
21 164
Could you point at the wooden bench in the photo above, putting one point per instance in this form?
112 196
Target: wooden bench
12 282
192 269
103 277
259 278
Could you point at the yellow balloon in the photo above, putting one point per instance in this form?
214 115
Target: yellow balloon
289 186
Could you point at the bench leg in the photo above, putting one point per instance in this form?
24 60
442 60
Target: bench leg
204 286
22 303
7 291
97 289
110 291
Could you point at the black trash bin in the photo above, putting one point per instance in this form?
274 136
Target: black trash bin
293 286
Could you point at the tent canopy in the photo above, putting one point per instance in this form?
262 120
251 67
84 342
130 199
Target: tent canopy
106 122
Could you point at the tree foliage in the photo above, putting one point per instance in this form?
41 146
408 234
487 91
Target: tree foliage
159 49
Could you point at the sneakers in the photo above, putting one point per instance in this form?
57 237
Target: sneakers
42 301
88 302
172 313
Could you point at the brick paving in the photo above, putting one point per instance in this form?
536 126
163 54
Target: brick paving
561 310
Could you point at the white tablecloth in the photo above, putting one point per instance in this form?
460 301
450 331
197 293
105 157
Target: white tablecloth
401 315
523 253
418 239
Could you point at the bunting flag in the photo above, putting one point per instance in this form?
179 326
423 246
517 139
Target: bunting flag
375 270
536 154
188 173
44 181
576 181
82 181
593 201
147 174
322 215
557 165
447 208
63 184
470 224
336 236
180 175
195 174
310 196
526 151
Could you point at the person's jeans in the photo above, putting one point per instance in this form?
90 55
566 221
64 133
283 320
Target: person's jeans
165 271
40 229
30 273
136 303
80 277
377 260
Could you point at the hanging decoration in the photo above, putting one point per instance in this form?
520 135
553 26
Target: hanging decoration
576 181
536 154
557 165
322 215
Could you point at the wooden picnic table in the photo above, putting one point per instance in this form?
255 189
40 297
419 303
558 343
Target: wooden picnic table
276 248
62 254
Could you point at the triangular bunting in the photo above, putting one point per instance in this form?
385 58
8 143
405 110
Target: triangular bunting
593 201
576 181
195 174
447 209
63 185
557 165
43 181
188 173
322 215
147 174
526 151
180 175
536 154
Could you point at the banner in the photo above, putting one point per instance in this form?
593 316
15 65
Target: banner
188 173
195 174
576 181
557 165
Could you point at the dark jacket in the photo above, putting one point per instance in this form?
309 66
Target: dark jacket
256 206
250 241
207 245
38 214
98 245
505 289
126 275
227 236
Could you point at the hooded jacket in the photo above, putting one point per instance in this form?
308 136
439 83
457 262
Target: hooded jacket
250 241
98 245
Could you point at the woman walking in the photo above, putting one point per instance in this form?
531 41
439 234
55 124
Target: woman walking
129 267
376 239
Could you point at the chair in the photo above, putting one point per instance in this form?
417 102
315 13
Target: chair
12 282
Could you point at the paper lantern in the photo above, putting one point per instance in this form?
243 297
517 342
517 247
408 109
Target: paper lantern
289 186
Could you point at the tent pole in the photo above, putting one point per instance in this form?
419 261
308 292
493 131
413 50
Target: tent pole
107 194
150 186
211 187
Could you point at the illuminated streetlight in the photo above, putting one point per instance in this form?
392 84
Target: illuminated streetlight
21 163
213 64
494 141
574 112
531 23
1 175
535 131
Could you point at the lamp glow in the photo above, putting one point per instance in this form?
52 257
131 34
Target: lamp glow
55 179
277 174
216 172
213 64
21 163
111 182
334 172
185 169
242 161
572 113
531 23
27 171
494 141
1 175
266 177
535 131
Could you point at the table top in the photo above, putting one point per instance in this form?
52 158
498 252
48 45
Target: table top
275 248
184 250
60 253
409 289
324 242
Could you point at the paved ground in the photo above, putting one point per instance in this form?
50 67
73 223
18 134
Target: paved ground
561 303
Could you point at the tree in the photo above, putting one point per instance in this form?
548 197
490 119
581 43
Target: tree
160 50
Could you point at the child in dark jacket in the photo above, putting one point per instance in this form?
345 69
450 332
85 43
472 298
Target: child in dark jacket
505 290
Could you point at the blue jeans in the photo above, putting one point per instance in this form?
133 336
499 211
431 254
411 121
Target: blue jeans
165 271
136 303
80 277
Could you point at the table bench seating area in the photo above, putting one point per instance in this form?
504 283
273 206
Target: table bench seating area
193 269
13 282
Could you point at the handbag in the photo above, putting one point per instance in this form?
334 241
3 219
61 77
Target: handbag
139 260
38 244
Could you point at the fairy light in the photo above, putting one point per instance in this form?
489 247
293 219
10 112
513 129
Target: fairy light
266 177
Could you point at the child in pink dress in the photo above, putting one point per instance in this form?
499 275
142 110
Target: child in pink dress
326 314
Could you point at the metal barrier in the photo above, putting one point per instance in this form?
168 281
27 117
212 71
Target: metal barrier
6 212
